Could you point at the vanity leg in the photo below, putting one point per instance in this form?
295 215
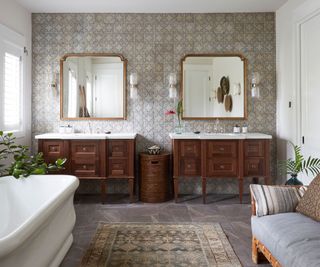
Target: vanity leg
240 189
176 188
204 190
131 189
103 187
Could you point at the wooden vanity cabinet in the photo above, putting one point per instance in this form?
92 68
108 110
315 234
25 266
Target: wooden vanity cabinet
186 161
211 159
94 159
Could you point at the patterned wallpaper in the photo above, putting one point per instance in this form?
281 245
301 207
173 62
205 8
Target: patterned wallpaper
154 45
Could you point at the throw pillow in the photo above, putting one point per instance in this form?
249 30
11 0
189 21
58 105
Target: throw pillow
310 202
274 199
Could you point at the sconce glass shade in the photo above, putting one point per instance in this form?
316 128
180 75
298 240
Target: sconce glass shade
133 92
133 79
172 92
255 78
255 91
172 79
172 85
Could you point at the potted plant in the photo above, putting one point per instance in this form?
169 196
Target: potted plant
23 163
299 165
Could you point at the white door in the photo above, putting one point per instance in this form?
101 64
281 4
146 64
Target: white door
197 91
310 88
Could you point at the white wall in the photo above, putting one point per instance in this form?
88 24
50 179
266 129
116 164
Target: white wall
18 19
288 119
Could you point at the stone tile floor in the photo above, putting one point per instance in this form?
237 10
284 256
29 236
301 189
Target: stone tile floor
225 209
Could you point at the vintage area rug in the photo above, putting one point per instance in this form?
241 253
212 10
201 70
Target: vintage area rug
157 245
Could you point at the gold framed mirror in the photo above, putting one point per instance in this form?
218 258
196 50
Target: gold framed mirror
93 86
214 86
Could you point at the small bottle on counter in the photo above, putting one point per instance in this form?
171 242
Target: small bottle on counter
245 128
236 129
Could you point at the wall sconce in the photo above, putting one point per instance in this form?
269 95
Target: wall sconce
237 89
53 83
172 85
133 80
255 80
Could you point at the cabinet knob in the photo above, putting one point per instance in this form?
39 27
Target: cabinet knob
221 148
84 149
188 166
221 166
84 166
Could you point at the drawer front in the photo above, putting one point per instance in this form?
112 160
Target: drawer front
222 167
84 149
85 166
53 149
254 148
254 167
222 149
118 149
118 167
190 167
190 149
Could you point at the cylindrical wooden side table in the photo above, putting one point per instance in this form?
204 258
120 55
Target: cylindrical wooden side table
154 180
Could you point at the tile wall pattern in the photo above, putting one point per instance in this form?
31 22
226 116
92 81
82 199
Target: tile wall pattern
154 45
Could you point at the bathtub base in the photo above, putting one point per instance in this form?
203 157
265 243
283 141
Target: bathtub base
62 252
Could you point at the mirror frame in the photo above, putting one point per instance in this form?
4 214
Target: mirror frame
245 64
123 59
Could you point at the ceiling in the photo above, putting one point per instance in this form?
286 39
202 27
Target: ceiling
151 6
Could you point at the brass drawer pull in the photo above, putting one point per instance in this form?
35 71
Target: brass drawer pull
221 166
221 148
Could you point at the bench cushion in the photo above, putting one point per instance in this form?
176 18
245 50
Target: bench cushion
292 238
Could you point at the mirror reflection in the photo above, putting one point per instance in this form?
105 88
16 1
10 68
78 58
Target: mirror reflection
92 87
213 87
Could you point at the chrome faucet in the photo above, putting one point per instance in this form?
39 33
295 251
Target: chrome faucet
89 127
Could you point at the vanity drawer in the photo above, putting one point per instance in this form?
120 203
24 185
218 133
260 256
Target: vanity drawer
85 170
118 148
118 167
190 148
84 148
53 149
254 148
222 167
190 167
222 149
254 167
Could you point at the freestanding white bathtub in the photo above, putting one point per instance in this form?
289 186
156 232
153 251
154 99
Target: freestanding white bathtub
36 220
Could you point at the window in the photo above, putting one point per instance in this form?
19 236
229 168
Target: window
11 81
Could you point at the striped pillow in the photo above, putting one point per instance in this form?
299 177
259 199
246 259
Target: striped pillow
275 199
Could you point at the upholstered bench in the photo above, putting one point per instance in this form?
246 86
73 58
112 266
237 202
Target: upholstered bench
285 237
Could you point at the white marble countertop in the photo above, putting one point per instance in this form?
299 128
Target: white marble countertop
86 136
219 136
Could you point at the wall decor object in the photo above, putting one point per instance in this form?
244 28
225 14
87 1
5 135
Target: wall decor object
93 86
200 73
172 85
154 44
133 80
255 88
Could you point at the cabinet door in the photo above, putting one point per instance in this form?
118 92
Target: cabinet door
190 167
254 167
254 148
118 148
52 150
190 148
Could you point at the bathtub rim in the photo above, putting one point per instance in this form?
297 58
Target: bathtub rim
16 238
